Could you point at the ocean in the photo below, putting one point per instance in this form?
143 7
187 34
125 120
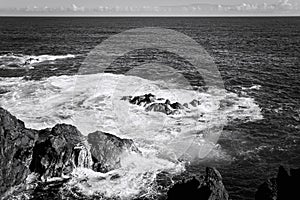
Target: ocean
256 112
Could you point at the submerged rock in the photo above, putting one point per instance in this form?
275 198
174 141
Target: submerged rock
16 144
284 186
186 105
107 150
195 103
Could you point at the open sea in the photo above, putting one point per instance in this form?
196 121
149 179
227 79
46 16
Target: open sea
41 82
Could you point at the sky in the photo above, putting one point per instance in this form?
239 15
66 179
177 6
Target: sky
150 7
96 3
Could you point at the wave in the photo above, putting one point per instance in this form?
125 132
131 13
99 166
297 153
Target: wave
93 102
12 61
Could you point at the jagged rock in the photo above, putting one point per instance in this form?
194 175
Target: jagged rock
150 102
209 187
145 99
213 182
284 186
58 151
107 150
51 153
16 144
177 105
159 107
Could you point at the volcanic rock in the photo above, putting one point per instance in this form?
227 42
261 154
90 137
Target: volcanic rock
143 99
58 151
209 187
16 144
107 150
159 107
154 104
176 105
284 186
51 154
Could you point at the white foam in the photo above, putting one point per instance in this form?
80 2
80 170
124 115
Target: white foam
20 60
253 87
135 177
92 102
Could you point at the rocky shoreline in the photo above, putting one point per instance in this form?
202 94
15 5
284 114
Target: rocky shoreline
37 164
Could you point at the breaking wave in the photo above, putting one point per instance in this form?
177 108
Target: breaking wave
12 61
93 102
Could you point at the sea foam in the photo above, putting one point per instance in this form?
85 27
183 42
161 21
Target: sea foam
92 102
8 61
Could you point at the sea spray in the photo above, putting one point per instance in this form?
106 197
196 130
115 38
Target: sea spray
44 103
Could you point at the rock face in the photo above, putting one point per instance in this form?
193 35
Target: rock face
58 151
29 158
16 144
284 186
107 150
53 152
209 187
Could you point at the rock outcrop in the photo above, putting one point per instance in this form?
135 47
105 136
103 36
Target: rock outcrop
107 150
39 164
143 99
58 151
151 103
284 186
53 153
208 187
16 144
159 107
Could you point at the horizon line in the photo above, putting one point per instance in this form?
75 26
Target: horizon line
87 15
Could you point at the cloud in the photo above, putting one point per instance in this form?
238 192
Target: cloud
284 7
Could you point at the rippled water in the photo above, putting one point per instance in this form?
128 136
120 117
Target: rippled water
258 59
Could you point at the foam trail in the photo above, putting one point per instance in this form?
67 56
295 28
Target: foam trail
19 60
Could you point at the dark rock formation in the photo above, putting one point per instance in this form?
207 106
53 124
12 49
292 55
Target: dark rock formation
52 152
146 99
284 186
177 105
58 151
150 102
159 107
209 187
107 150
16 144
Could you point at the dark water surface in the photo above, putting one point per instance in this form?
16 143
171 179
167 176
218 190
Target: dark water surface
258 57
